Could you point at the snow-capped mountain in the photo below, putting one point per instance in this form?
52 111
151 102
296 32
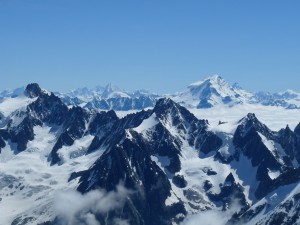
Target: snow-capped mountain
213 91
62 165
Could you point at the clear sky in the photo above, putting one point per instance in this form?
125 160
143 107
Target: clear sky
160 45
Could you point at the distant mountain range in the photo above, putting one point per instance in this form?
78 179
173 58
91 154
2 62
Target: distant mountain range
206 93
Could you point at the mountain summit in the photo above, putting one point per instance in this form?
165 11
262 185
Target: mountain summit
112 91
213 91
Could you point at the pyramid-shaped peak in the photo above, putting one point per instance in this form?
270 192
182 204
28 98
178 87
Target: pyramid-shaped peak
214 90
166 107
251 122
287 128
112 90
33 90
165 103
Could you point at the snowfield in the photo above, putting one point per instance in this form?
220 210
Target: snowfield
33 183
274 117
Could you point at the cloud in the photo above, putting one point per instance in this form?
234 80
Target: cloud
213 217
73 207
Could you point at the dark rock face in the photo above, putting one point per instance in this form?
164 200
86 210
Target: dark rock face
163 144
33 90
297 130
151 183
24 132
286 178
179 181
74 127
49 109
20 134
248 141
2 140
290 141
186 123
109 129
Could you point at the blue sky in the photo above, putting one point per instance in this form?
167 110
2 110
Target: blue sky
160 45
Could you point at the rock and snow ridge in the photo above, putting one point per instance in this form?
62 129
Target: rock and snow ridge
160 166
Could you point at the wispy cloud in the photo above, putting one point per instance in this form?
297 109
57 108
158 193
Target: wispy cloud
73 207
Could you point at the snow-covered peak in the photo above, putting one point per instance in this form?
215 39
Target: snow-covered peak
212 91
172 114
216 86
214 79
